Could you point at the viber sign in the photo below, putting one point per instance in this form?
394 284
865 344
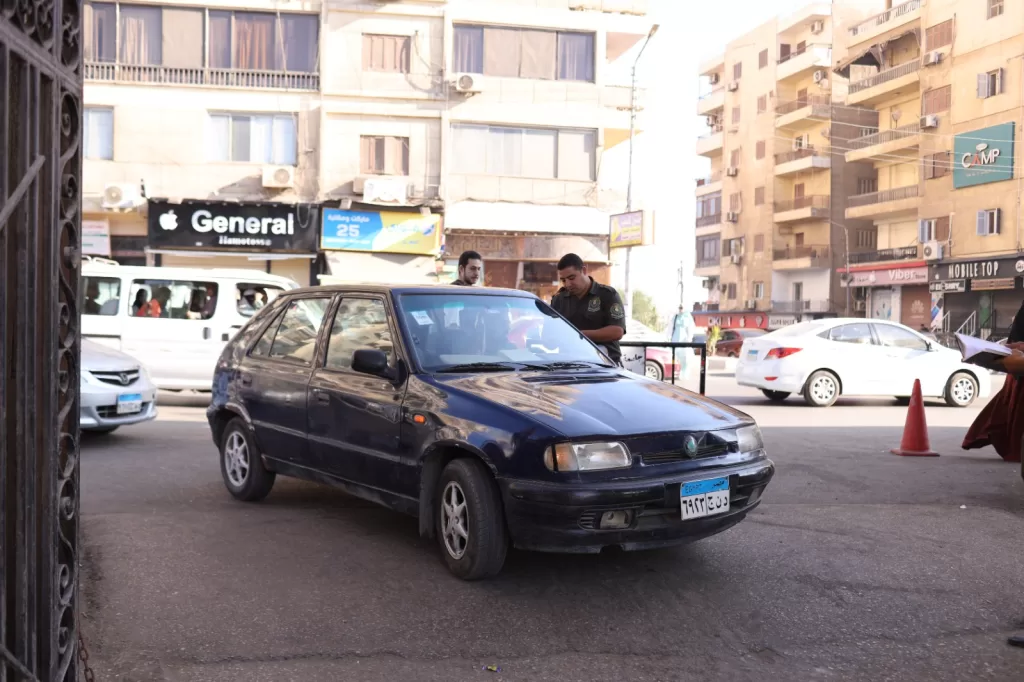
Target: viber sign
984 156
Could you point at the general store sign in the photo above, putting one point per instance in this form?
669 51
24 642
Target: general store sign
233 226
983 156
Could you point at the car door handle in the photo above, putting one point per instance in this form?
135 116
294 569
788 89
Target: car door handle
322 396
246 380
207 333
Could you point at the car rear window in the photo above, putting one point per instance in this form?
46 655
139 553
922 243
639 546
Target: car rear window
801 329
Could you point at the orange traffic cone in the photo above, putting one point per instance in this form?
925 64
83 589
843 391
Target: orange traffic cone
915 432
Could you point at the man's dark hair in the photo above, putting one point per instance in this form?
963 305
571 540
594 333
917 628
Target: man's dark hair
468 256
570 260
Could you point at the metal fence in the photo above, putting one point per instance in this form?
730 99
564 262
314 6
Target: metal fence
675 346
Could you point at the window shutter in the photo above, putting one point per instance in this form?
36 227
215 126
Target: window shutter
999 82
922 237
982 85
997 217
982 223
942 229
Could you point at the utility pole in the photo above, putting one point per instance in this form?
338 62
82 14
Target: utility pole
628 303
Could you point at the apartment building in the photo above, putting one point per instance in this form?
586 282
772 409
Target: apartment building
386 133
770 226
945 78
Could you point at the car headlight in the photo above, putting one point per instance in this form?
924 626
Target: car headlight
587 457
749 438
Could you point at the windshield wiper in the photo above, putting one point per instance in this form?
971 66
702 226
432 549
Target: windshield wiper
489 367
575 364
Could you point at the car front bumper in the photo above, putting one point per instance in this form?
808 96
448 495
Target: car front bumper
98 404
564 518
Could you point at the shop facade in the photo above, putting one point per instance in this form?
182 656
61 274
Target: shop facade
978 296
895 291
276 238
114 235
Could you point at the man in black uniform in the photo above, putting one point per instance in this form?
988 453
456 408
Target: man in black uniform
593 308
470 267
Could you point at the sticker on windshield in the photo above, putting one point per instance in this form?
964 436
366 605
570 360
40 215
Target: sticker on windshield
421 317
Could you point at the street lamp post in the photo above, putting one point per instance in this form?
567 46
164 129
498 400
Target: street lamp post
628 303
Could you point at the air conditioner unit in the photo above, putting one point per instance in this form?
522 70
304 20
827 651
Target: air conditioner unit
801 142
736 258
817 27
278 177
733 216
465 83
708 284
386 190
932 250
860 306
713 121
714 78
734 86
122 197
820 75
750 304
732 171
930 121
933 58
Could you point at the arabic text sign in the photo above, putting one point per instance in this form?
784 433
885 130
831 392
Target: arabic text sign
627 229
384 232
983 156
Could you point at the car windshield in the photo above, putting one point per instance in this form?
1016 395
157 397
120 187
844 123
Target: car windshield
487 333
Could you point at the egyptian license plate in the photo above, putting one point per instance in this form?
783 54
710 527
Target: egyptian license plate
129 403
704 498
751 355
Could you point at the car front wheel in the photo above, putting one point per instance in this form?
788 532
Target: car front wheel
821 389
241 465
652 370
961 390
775 396
470 521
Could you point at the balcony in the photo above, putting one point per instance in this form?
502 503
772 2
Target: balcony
709 224
812 207
711 101
712 65
710 144
800 62
887 202
803 113
801 306
200 77
884 142
710 184
803 257
805 159
895 82
885 255
885 22
708 267
802 18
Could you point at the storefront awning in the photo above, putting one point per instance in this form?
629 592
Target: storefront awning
234 254
483 216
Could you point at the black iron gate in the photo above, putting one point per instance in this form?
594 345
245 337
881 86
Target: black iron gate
40 169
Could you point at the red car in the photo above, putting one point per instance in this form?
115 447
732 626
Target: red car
731 341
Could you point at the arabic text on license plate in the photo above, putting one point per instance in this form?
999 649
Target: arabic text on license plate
704 498
129 403
752 354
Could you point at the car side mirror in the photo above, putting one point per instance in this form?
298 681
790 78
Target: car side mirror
373 362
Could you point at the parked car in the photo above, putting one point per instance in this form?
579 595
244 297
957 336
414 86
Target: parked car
824 359
418 399
658 362
731 341
116 390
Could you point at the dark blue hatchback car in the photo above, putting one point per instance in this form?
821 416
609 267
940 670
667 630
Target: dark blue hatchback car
485 414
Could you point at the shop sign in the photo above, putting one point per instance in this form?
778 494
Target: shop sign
629 229
95 238
954 286
985 269
888 277
383 232
778 321
993 284
233 226
983 156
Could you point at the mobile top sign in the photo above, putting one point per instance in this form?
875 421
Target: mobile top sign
233 226
984 156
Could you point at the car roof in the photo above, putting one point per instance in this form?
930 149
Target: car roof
399 289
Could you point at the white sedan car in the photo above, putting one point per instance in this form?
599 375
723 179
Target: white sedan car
824 359
116 390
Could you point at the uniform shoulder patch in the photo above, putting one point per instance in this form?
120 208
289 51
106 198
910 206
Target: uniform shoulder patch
617 311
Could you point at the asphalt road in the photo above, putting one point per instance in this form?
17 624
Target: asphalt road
859 565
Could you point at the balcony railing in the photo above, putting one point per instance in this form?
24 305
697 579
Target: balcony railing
221 78
798 104
820 201
803 50
892 74
711 133
802 251
709 179
708 220
884 196
708 263
713 92
883 136
881 255
885 17
801 306
802 153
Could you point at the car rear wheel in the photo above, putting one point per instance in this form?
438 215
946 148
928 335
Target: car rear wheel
961 390
821 389
470 521
241 465
775 396
652 370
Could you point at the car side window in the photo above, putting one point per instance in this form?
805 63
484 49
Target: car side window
102 295
897 337
295 339
249 298
360 323
857 332
173 299
262 347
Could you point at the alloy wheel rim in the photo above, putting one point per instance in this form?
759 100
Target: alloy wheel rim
963 391
823 389
454 520
651 371
236 459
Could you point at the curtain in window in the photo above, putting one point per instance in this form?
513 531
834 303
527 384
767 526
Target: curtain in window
285 141
468 49
469 149
540 54
300 42
505 152
577 151
371 155
218 137
261 139
396 155
502 52
241 127
576 57
254 42
99 134
100 32
182 37
539 148
141 35
386 53
220 40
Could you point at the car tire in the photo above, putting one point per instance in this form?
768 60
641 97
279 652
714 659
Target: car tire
467 499
821 389
241 465
652 370
733 355
961 390
775 396
103 430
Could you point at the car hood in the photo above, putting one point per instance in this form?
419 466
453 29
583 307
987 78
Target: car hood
100 358
597 403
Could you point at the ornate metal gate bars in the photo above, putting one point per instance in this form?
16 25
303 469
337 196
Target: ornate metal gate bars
40 170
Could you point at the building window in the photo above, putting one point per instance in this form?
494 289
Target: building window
389 54
734 158
762 59
758 196
758 243
731 291
866 239
383 155
524 53
936 165
737 70
709 205
939 35
249 138
735 115
995 8
758 290
141 32
759 149
707 251
937 100
257 41
541 153
867 185
762 104
98 142
990 84
933 229
99 27
989 222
